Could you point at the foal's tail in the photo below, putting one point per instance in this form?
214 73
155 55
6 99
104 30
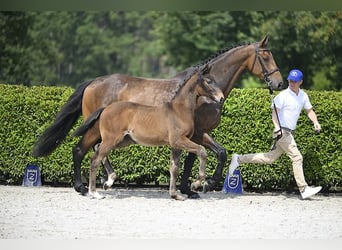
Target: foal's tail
88 123
65 119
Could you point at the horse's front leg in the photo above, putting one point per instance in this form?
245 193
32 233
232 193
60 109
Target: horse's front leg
174 165
210 143
184 185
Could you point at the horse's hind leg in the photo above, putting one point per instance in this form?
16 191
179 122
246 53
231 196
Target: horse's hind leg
79 151
78 154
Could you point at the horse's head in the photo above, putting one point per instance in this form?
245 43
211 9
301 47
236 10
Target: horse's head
207 87
262 65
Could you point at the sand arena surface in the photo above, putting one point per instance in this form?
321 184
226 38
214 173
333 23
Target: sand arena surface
140 213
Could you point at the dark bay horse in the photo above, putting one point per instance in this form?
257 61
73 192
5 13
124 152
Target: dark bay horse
172 123
225 69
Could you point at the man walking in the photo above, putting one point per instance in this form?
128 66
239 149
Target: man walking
288 105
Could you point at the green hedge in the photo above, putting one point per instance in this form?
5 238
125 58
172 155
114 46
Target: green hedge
245 128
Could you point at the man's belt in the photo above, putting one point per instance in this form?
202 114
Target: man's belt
288 130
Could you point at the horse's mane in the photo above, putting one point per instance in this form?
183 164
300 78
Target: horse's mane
210 58
195 68
220 52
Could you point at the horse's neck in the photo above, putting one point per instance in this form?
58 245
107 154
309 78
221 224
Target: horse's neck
228 67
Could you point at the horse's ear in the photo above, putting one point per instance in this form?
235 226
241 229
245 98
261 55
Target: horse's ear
264 42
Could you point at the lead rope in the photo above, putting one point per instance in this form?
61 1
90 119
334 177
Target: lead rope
275 139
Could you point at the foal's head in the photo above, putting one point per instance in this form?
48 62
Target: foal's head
206 86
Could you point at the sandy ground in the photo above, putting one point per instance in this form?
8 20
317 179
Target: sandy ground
61 213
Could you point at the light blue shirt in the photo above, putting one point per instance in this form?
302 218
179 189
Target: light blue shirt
290 105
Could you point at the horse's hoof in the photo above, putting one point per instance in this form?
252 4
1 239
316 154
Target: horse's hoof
206 187
190 194
81 189
194 196
211 184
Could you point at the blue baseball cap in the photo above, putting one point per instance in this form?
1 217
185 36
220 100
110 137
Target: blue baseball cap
295 75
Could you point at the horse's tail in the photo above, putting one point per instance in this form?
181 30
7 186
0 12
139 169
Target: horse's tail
65 119
88 123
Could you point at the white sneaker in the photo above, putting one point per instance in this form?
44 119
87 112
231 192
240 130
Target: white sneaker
233 164
310 191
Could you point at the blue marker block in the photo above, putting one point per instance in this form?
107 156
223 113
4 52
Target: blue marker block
32 177
233 183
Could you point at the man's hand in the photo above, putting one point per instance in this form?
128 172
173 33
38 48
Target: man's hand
277 133
317 127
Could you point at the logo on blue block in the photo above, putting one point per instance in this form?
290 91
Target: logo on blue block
233 183
32 176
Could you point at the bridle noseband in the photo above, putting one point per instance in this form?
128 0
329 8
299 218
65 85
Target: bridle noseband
265 73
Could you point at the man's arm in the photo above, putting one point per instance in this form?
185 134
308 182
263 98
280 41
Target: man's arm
275 119
313 117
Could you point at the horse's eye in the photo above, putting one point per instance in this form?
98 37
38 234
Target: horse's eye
266 58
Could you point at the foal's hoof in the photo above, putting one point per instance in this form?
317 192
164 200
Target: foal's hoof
178 197
105 186
195 186
96 195
81 189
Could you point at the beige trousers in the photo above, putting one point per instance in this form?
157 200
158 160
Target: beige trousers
287 145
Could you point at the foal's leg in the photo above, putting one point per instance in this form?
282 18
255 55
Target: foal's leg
221 154
100 154
202 154
174 165
109 142
197 149
111 175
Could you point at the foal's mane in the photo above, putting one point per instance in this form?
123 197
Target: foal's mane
185 80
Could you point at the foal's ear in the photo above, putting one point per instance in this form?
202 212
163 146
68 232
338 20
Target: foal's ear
264 42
